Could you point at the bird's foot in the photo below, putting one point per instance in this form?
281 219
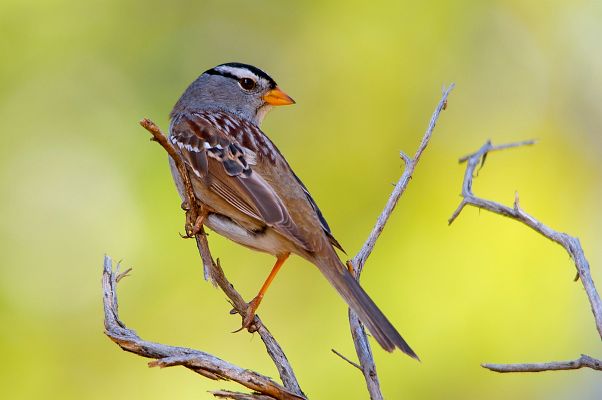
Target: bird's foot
198 224
249 319
193 228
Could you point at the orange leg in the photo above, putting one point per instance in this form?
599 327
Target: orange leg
254 304
350 268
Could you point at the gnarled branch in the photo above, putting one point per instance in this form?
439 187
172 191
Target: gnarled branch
569 243
166 356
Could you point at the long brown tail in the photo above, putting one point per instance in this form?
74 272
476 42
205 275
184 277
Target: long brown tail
358 300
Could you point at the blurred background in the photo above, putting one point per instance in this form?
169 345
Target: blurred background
81 179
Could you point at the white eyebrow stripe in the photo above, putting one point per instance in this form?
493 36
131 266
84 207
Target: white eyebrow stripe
238 72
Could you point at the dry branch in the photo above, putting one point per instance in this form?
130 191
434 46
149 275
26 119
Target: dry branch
584 361
166 356
360 340
569 243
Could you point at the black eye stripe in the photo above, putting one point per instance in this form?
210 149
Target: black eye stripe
222 73
254 70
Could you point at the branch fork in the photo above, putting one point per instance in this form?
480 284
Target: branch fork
569 243
358 333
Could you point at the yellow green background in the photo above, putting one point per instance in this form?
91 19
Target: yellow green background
81 179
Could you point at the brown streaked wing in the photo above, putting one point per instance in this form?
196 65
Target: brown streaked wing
206 148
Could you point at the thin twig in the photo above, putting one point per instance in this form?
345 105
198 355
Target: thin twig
356 365
360 339
410 164
584 361
166 356
214 271
492 148
569 243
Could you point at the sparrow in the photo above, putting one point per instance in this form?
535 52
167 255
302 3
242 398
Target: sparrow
249 191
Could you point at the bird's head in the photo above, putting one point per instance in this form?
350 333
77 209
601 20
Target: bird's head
237 88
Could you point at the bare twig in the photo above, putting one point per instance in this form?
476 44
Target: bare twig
213 269
569 243
356 365
492 148
584 361
167 356
410 165
360 340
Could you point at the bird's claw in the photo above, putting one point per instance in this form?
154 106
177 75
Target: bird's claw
193 229
249 319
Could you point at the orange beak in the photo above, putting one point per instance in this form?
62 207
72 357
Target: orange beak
277 97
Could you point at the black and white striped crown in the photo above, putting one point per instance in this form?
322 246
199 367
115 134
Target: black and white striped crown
239 71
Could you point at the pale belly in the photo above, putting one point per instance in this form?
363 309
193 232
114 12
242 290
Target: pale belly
263 239
266 239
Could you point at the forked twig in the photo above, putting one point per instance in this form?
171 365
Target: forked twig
569 243
360 339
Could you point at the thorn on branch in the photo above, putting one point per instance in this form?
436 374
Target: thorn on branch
406 159
122 275
516 202
484 157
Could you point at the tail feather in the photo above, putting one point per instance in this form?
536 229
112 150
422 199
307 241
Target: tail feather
358 300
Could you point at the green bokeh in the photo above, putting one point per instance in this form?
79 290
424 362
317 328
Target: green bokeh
80 179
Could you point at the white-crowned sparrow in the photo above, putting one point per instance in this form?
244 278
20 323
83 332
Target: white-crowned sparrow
250 193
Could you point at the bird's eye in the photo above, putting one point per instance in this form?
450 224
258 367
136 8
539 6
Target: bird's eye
247 83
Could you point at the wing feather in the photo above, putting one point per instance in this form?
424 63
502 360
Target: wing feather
225 167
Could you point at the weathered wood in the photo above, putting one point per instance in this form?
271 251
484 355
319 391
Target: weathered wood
166 356
569 243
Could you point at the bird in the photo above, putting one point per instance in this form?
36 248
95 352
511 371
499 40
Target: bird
249 192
